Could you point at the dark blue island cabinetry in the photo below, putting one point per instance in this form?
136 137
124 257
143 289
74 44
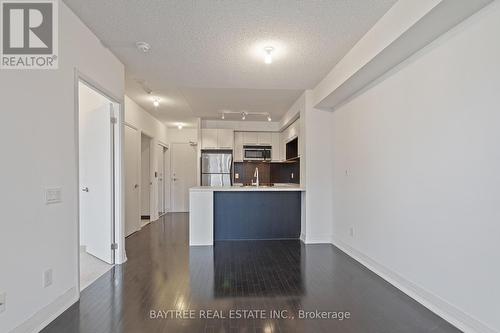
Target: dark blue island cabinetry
244 215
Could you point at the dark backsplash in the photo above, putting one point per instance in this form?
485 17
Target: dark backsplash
246 170
268 172
283 172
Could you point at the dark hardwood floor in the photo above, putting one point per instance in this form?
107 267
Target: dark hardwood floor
163 273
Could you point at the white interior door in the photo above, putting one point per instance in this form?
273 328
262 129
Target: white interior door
183 175
132 192
146 179
96 173
161 179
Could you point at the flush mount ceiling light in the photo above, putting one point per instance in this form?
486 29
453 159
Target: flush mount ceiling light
156 102
268 58
179 126
244 114
143 47
269 50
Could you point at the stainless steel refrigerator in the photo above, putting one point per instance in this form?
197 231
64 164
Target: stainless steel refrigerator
216 168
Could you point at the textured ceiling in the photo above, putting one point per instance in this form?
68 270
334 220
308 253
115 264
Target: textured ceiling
208 55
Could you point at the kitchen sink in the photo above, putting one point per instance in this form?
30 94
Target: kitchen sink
262 185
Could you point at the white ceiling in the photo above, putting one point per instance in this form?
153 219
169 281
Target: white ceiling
208 55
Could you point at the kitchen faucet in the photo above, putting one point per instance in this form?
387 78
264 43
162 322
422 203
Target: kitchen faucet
256 175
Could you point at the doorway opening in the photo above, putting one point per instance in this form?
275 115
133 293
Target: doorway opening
146 179
97 164
184 170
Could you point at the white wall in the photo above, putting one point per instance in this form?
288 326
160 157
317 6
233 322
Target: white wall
38 110
317 164
184 135
146 123
416 173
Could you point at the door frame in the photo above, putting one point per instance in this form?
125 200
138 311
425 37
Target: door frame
118 196
164 163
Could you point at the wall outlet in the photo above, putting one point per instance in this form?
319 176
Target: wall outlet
53 195
47 278
351 231
236 176
3 300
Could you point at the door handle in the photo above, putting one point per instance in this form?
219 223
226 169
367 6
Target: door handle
85 189
136 185
174 179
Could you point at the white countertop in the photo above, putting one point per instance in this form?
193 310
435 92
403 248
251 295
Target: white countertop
236 188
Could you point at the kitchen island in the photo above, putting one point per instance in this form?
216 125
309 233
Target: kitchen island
244 213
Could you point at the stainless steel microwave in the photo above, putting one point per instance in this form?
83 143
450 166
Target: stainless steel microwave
257 153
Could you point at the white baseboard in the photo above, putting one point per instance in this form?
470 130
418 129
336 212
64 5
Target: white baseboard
317 240
434 303
50 312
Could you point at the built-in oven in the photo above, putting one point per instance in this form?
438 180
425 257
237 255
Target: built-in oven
257 153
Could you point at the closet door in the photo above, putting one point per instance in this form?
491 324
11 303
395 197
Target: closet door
132 191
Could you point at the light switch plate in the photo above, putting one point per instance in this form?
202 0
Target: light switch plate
3 300
237 176
53 195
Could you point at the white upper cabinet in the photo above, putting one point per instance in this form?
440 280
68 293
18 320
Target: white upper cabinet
275 143
250 138
292 131
225 138
282 149
238 146
257 138
217 138
208 138
272 139
229 139
264 138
